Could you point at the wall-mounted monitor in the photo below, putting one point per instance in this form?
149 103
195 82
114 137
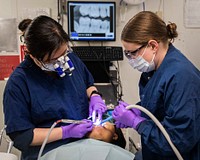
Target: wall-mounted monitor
91 20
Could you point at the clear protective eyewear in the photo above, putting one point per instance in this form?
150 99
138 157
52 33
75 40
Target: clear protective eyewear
21 38
131 54
54 60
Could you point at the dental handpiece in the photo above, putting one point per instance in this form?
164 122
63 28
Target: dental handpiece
72 121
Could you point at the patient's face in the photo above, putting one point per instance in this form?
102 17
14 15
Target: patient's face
104 133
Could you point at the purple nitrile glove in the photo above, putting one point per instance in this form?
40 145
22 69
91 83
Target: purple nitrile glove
76 130
120 125
126 117
135 110
97 104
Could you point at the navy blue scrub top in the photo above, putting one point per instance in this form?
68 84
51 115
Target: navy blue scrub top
172 95
33 99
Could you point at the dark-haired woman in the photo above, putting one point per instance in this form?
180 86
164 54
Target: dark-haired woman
52 83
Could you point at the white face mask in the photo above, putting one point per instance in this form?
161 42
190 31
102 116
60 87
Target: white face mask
48 67
141 64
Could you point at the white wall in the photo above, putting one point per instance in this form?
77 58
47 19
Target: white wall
172 10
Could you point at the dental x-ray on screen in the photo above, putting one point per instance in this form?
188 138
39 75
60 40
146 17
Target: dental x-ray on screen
91 21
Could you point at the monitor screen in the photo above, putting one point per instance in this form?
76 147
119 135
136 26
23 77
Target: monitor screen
91 21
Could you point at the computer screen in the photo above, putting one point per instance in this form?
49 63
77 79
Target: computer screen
91 20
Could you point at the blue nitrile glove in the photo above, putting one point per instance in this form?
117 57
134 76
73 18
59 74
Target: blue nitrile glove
135 110
76 130
125 117
97 104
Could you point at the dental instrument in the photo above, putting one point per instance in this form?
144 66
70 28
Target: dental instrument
105 120
96 119
72 121
94 116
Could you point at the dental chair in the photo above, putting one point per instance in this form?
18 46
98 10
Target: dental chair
6 155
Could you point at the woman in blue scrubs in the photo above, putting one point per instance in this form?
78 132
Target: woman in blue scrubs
169 88
52 83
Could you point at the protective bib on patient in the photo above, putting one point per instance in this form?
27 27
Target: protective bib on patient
88 149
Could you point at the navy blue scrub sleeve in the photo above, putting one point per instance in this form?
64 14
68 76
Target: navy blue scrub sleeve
22 139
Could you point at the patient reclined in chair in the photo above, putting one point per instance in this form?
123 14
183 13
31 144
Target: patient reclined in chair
102 143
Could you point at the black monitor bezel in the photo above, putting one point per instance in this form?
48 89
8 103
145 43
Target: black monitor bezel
93 2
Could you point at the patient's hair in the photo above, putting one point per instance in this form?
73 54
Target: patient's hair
121 142
118 136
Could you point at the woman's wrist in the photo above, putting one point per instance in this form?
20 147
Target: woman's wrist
95 92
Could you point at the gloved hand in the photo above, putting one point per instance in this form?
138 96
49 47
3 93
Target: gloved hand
135 110
120 125
126 117
76 130
98 105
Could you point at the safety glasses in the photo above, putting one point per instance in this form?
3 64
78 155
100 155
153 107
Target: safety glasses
21 38
130 54
54 60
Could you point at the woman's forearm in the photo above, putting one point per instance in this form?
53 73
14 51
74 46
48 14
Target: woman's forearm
39 135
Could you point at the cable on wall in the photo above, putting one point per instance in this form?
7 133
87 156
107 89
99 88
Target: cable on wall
58 9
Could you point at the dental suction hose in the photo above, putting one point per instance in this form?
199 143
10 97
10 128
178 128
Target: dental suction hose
50 130
159 126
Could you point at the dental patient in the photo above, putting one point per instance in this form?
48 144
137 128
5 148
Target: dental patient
108 133
104 142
